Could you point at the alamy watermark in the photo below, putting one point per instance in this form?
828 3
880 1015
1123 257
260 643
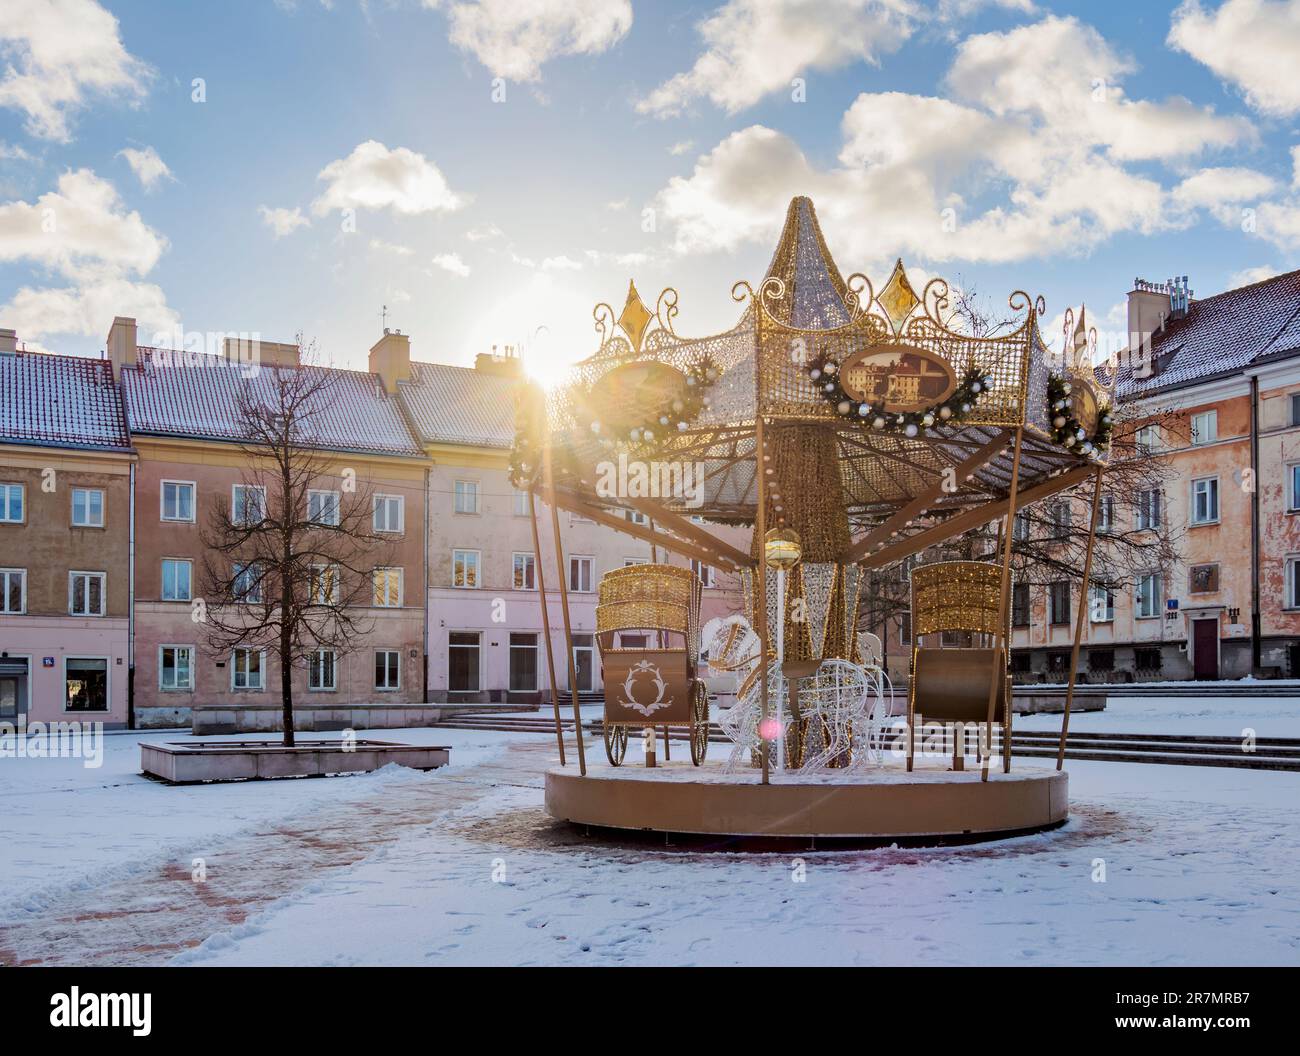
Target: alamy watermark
637 479
53 740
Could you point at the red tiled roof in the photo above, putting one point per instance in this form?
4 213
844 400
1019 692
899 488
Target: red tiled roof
60 401
1221 335
174 394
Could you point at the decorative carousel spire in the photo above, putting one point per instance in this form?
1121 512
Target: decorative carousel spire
813 291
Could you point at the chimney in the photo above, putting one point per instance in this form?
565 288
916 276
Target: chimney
505 362
8 341
121 344
252 351
390 358
1148 308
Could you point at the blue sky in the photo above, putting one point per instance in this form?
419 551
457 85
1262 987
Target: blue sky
348 155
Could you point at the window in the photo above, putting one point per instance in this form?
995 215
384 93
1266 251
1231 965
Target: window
85 683
323 508
523 572
464 569
1292 599
1293 502
1021 663
1147 438
462 661
1295 408
1106 513
1059 518
1020 528
1101 604
246 583
1205 500
522 507
1059 597
87 508
628 562
247 504
246 669
1147 659
580 574
177 500
176 667
705 572
466 496
389 513
388 587
904 628
1205 427
323 585
1020 605
523 662
177 579
1203 579
11 504
86 593
1101 659
388 669
1148 509
637 517
1148 595
322 670
13 590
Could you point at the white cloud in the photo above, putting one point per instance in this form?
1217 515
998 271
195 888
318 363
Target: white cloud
514 38
756 47
451 262
61 52
1247 276
682 146
148 167
374 177
1025 159
561 263
87 308
1252 44
1222 190
484 233
390 247
282 221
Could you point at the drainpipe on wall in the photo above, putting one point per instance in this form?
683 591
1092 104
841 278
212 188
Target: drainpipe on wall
1254 526
424 645
130 606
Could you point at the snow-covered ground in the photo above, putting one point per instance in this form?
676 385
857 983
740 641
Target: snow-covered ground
462 866
1229 716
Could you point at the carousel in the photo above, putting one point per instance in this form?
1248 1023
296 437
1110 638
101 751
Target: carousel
840 429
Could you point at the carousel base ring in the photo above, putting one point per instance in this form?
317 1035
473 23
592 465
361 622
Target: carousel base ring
875 805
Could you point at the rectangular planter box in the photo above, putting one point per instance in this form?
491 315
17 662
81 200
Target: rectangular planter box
181 763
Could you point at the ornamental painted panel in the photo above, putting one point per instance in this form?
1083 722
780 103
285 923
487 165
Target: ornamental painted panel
646 686
902 377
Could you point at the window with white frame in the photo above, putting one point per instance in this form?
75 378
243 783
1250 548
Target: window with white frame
463 648
177 500
1058 596
522 507
1020 528
1205 427
1295 408
523 661
464 569
1148 595
323 508
87 508
177 579
637 517
523 572
466 492
86 593
246 583
1148 509
705 572
176 667
1293 500
1106 513
389 513
1058 514
11 504
323 585
388 669
1205 500
1101 604
322 670
1292 600
247 669
247 504
581 574
1147 438
904 628
388 587
629 561
13 590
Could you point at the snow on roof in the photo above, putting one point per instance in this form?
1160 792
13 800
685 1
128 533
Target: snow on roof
460 405
1221 335
175 394
60 401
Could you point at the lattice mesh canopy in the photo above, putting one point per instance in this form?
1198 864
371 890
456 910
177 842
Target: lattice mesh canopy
650 598
956 596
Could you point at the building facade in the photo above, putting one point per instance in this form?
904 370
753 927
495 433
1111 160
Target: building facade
1215 386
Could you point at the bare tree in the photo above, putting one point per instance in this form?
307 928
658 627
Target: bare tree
287 571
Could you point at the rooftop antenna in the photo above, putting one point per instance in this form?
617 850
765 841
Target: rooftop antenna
383 317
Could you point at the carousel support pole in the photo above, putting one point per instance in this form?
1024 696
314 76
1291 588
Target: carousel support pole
568 625
546 628
760 593
998 677
659 635
1078 620
780 665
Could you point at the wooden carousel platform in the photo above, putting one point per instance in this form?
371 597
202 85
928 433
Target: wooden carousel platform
876 803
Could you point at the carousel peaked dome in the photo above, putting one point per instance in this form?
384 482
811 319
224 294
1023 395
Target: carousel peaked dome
814 289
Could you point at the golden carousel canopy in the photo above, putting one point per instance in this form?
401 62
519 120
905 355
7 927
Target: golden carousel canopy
884 428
